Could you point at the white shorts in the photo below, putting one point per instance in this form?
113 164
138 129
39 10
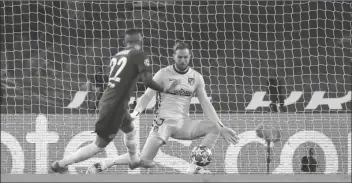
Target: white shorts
181 129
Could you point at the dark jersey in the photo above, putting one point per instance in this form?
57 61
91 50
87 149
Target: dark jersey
125 69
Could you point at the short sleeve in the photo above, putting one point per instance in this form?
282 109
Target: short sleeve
158 77
142 60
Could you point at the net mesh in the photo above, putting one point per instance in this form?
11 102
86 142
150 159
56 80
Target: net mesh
53 56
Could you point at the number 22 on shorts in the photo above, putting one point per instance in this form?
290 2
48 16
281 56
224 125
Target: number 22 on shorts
113 76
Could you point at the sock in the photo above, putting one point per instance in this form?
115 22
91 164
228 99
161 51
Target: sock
130 142
120 160
80 155
123 159
109 162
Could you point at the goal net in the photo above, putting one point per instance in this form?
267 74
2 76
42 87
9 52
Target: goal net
287 64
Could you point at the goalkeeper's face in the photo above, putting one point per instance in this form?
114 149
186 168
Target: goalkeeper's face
182 57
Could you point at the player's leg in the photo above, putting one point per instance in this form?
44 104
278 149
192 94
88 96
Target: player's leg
149 151
158 136
152 145
106 130
129 138
103 138
130 141
209 130
191 130
83 153
153 142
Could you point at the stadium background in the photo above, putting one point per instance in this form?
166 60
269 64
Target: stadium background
49 51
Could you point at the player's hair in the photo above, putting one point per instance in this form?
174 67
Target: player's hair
311 150
181 46
132 32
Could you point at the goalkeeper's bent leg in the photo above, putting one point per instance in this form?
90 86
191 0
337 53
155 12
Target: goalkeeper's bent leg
212 131
157 137
151 148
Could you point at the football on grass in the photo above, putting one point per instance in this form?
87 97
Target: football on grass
201 155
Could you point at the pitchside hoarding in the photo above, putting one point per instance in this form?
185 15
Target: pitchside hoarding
30 143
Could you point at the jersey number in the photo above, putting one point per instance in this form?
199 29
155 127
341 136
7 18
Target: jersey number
121 63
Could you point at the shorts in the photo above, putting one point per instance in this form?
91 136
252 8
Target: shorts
181 129
113 115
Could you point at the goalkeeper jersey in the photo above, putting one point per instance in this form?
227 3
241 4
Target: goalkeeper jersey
176 104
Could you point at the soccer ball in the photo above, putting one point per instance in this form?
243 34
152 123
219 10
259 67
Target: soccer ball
201 155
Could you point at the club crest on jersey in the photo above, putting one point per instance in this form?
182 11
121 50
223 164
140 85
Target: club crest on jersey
112 136
147 62
155 128
191 81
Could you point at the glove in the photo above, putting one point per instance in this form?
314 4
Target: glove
229 135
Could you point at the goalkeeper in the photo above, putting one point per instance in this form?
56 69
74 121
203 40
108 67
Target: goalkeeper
173 115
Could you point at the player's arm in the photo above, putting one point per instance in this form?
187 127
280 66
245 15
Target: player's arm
207 107
227 133
149 82
148 94
143 102
146 75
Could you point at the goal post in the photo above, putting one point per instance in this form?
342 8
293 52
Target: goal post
253 55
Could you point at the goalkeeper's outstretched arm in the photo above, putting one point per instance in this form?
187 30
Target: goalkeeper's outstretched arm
144 101
226 132
207 107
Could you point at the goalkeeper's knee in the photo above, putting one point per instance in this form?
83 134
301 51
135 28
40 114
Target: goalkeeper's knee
213 128
212 135
216 129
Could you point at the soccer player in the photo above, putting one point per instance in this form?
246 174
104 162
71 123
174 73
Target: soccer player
127 67
173 115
